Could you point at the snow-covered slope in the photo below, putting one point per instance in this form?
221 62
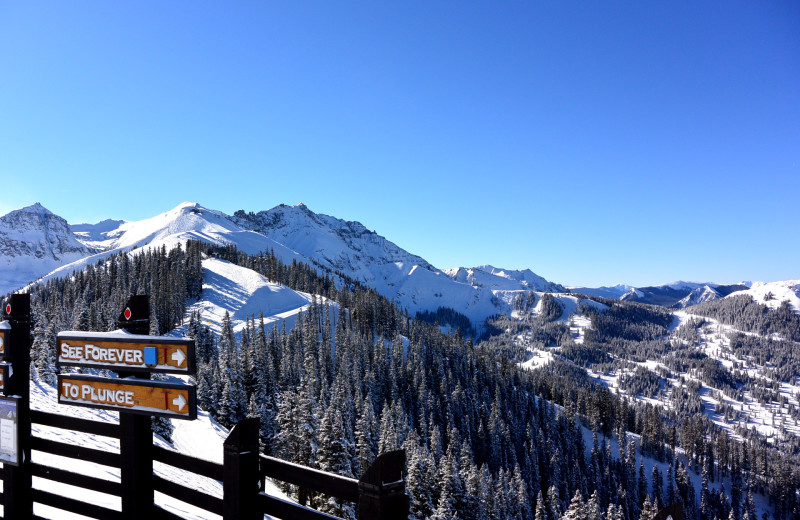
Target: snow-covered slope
632 294
189 221
772 294
243 293
33 242
339 245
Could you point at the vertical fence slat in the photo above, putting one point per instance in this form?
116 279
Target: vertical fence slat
242 481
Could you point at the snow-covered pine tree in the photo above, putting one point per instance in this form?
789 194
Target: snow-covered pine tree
233 397
420 480
576 509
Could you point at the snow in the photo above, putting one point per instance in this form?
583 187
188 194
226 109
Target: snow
96 236
784 290
578 324
243 293
538 359
612 292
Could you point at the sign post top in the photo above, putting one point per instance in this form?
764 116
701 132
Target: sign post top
135 317
18 307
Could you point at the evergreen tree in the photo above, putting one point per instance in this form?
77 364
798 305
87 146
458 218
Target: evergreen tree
541 513
420 481
233 404
333 457
576 509
648 510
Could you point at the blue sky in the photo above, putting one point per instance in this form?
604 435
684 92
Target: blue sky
593 142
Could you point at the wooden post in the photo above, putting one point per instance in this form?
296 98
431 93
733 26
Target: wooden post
382 489
17 497
675 512
242 481
136 433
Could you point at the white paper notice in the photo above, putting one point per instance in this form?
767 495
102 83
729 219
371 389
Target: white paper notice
8 438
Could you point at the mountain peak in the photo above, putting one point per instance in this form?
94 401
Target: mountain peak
35 208
34 241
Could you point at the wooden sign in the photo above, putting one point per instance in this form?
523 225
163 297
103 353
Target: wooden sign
140 396
126 352
5 328
5 373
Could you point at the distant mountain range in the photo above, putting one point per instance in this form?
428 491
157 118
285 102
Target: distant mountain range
35 244
675 295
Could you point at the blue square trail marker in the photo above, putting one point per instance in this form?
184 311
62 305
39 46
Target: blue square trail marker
150 356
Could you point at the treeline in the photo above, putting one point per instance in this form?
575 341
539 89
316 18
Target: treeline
745 314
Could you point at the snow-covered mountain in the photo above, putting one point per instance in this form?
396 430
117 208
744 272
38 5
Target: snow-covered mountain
187 221
33 242
678 294
297 233
351 249
36 243
612 292
633 294
495 278
698 295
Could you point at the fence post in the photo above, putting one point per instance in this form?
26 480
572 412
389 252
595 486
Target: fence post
382 489
17 497
136 433
241 471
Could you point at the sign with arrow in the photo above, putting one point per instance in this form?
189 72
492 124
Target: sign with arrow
124 352
176 401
